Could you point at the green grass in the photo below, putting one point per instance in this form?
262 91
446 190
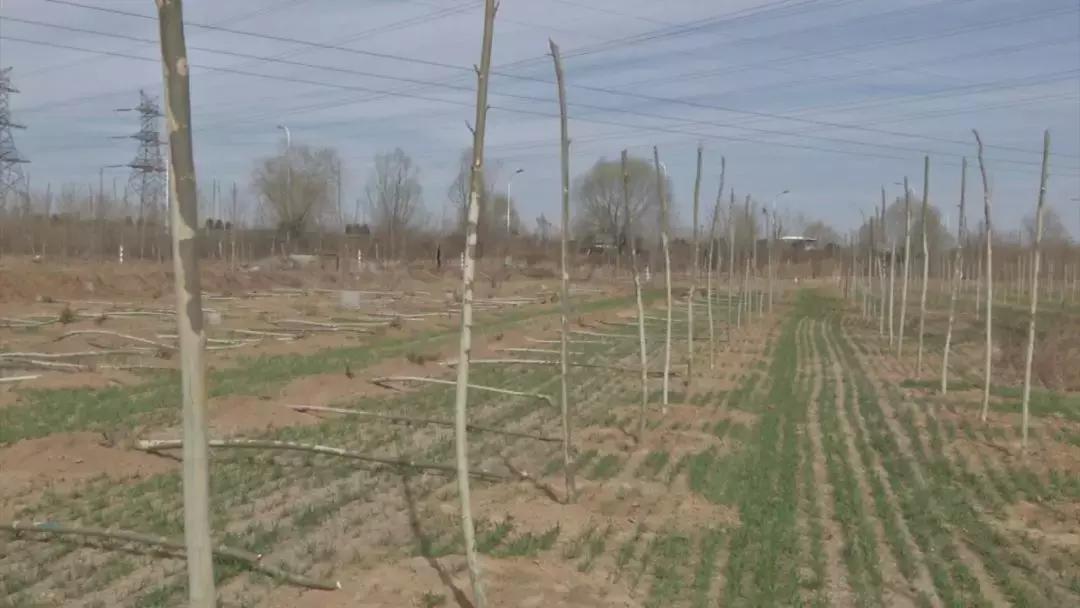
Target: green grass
670 556
758 570
606 467
654 462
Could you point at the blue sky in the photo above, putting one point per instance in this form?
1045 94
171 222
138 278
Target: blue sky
828 98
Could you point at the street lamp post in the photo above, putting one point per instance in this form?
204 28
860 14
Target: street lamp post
510 182
288 179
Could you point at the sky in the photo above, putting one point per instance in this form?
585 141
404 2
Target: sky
828 99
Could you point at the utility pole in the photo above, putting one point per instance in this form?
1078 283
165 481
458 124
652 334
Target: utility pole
12 179
148 179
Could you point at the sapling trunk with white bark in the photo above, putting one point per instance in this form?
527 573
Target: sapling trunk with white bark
1036 256
712 252
564 309
640 304
881 268
693 280
925 264
958 275
731 264
892 291
907 267
988 235
184 221
667 272
461 396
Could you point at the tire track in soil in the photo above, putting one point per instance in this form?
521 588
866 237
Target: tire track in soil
969 559
838 587
898 592
808 523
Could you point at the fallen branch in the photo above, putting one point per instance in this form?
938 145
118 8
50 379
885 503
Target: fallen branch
84 353
267 334
615 368
543 351
538 341
9 379
594 334
523 475
410 420
101 332
252 559
384 380
24 323
20 363
157 445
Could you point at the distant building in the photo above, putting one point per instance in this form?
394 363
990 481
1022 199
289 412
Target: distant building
800 243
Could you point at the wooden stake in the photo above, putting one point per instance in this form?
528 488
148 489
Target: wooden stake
1036 258
564 300
185 225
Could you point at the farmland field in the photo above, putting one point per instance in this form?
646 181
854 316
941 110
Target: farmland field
809 466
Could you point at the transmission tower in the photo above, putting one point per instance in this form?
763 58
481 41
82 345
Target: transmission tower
12 179
147 181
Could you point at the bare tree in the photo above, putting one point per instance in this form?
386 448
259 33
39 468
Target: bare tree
296 187
394 197
601 207
1036 257
468 272
989 236
185 229
667 271
640 304
926 265
564 300
958 276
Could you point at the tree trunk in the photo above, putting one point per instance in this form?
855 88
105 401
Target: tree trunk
461 393
958 275
925 265
907 267
988 234
693 282
892 291
881 268
731 263
712 254
564 300
640 304
1036 255
184 221
667 272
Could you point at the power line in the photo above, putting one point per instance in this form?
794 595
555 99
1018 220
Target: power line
651 98
519 97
